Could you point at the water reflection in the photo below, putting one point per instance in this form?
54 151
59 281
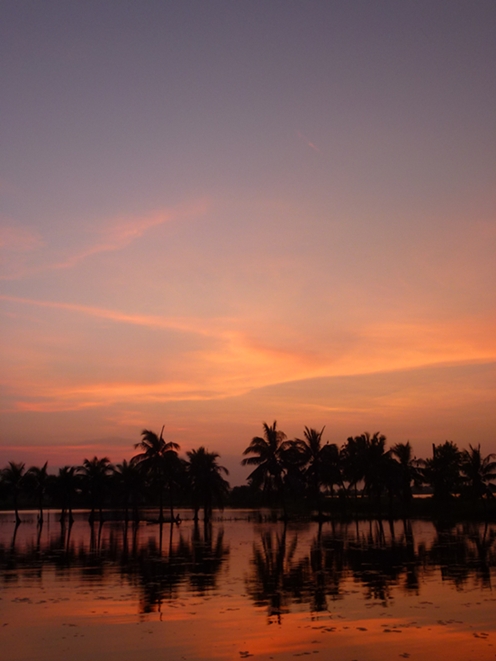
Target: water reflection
275 578
465 552
379 556
307 566
345 589
156 560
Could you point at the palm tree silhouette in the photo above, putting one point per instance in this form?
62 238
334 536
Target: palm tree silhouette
365 458
409 471
442 471
477 472
354 461
205 481
159 461
270 462
318 460
331 467
95 475
13 479
64 488
378 466
38 477
129 482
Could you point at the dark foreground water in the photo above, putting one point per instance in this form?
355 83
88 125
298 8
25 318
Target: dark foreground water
244 588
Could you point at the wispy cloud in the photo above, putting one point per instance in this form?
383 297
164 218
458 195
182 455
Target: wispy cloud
119 233
308 142
109 235
116 236
233 359
189 325
17 244
18 239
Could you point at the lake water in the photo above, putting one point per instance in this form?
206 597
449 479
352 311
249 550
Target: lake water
245 588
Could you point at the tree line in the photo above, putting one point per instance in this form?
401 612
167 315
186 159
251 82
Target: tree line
155 476
363 467
305 470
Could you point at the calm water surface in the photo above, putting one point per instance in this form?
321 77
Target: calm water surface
242 588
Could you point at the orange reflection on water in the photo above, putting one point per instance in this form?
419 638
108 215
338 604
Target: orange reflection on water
369 640
240 590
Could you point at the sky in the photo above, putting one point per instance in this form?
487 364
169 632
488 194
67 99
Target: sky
215 214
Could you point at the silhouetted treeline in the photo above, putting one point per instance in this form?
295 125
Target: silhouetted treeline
300 475
156 476
363 471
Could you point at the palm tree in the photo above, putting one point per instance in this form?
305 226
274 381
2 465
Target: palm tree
64 488
205 481
129 482
331 467
365 458
354 461
38 478
317 459
408 472
95 475
159 461
13 478
442 471
379 466
269 461
477 472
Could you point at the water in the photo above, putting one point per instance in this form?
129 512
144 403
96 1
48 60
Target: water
242 588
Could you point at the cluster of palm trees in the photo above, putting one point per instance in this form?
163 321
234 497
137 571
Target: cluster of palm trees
155 475
307 470
283 468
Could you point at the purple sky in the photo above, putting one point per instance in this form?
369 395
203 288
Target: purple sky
219 213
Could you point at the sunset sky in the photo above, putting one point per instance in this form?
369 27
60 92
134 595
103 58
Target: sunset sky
215 214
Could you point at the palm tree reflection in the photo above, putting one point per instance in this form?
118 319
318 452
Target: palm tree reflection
208 553
195 563
275 577
380 557
464 552
316 575
379 564
482 540
325 564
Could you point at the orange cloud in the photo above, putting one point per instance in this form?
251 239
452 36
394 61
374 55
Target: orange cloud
233 359
396 345
150 321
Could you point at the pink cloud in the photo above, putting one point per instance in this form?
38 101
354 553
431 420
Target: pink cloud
119 233
18 239
189 325
116 237
16 245
309 144
108 236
